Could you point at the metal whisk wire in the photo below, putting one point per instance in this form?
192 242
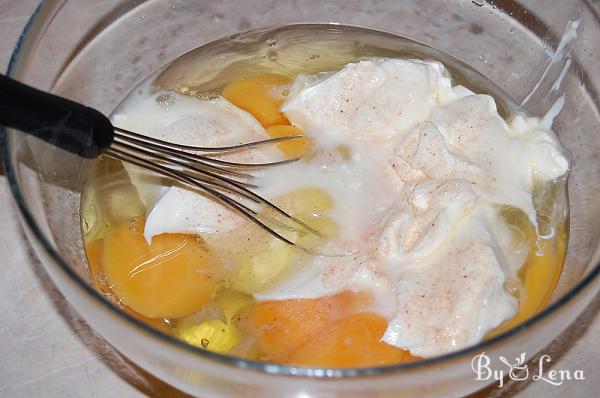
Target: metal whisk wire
217 178
86 132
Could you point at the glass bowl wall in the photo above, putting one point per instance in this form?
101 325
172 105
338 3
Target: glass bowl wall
96 52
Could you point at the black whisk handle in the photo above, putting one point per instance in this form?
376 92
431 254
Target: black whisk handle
61 122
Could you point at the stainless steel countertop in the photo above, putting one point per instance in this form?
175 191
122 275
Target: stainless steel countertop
49 351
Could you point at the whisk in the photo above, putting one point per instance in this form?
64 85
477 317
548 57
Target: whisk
86 132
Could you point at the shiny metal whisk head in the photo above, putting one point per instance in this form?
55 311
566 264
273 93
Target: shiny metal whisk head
228 183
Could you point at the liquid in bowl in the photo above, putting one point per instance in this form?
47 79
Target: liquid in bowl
209 303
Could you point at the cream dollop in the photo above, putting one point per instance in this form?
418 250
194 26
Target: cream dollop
449 162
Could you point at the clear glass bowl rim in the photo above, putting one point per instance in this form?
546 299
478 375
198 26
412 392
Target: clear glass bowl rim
270 368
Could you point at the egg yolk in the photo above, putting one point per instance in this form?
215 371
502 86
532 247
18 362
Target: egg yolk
291 148
266 260
539 273
331 331
170 278
94 254
262 96
216 335
93 251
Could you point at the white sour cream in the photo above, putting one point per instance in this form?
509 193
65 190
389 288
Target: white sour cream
417 201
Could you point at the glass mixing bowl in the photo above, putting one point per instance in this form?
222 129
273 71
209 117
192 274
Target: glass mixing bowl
96 52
